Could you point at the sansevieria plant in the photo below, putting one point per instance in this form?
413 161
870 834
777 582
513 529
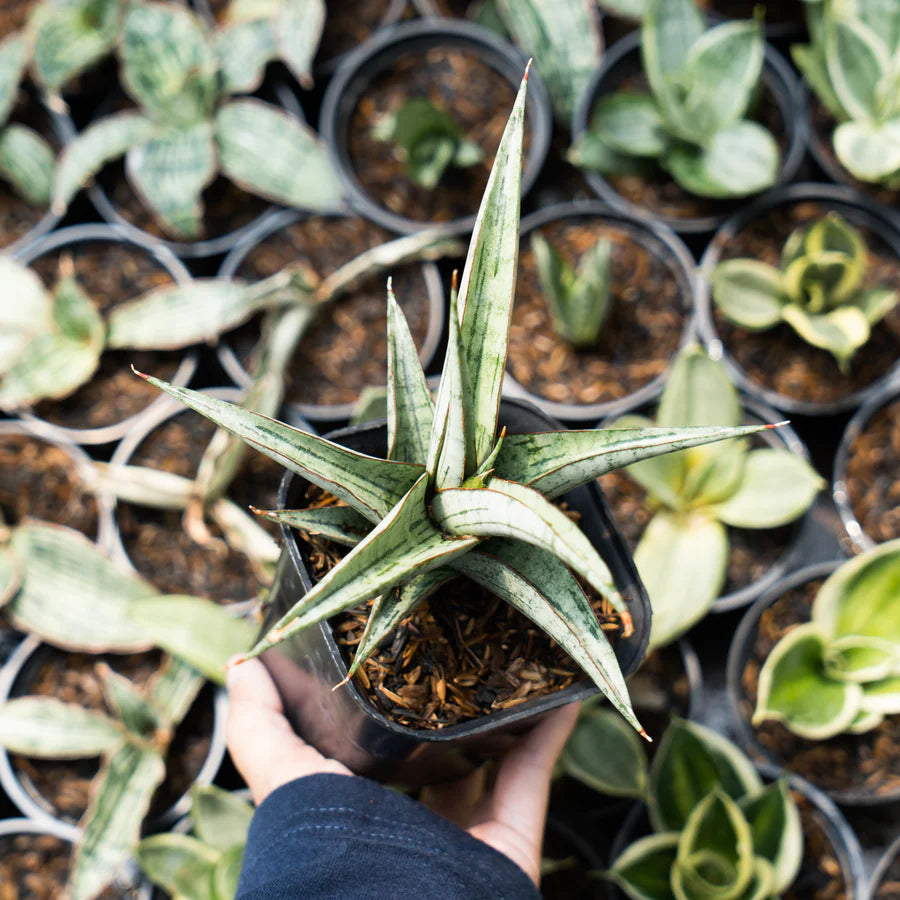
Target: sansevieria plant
454 497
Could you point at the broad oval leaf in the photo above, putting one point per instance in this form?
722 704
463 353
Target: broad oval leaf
163 856
13 58
777 833
698 392
221 818
748 292
868 150
298 30
644 868
243 51
841 331
631 124
28 163
30 315
47 728
856 62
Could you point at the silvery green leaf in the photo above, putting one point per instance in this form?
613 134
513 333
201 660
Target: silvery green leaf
868 150
698 392
97 145
163 856
883 18
777 487
194 629
507 509
876 303
662 476
777 833
169 173
794 689
268 152
643 869
120 798
682 559
30 315
410 409
489 279
748 292
881 697
591 152
142 485
72 595
861 658
227 873
168 64
27 162
630 124
11 575
403 544
221 818
173 690
13 58
810 60
371 486
243 50
538 584
605 754
47 728
336 523
566 40
128 703
740 159
856 61
840 331
627 9
298 30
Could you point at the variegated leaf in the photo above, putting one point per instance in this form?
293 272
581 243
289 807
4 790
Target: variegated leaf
335 523
128 703
27 162
169 173
142 485
869 150
777 833
120 798
298 30
857 61
268 152
97 145
163 856
371 486
643 870
47 728
244 49
629 123
173 690
72 595
30 315
841 331
11 574
13 57
221 819
748 292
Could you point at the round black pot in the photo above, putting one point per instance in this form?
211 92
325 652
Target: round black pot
623 59
378 54
658 240
166 260
342 725
318 412
879 876
828 817
860 539
857 210
739 654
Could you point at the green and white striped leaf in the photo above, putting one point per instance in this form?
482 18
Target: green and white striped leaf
748 292
120 798
128 703
11 574
566 40
93 148
30 315
169 173
194 629
168 64
221 819
840 331
538 584
173 690
403 544
856 62
298 30
27 162
881 697
489 280
243 50
163 857
72 596
371 486
13 58
336 523
869 150
861 658
47 728
227 873
630 123
507 509
643 869
794 689
268 152
777 833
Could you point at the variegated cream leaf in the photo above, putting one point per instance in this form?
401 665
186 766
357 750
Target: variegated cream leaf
163 856
840 331
142 485
643 869
298 30
538 584
13 58
173 690
629 123
128 703
856 60
335 523
30 315
221 818
748 292
27 162
47 728
371 486
243 50
861 658
869 150
881 697
11 574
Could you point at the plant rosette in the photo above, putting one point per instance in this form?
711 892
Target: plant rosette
344 350
866 477
640 295
651 192
885 883
75 280
460 68
776 364
776 663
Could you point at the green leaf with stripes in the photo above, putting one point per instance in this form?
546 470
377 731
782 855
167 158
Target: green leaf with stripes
335 523
298 30
173 690
13 58
27 162
47 728
243 50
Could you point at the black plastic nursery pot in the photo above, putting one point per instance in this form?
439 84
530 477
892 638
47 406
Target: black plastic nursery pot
434 41
650 319
99 412
777 366
853 770
342 724
866 477
279 236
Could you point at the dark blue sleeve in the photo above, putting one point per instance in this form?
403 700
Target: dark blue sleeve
324 837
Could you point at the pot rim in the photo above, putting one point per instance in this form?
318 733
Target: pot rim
884 863
855 427
787 195
738 654
393 42
275 221
784 88
43 812
665 245
99 233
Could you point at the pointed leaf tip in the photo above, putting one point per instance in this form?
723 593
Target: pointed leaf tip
139 374
527 69
645 736
772 425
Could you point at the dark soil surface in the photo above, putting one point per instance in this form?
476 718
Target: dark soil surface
868 762
779 359
641 334
873 475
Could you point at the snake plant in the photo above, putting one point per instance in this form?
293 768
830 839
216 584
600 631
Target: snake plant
693 122
840 672
453 497
852 65
682 556
187 129
817 289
